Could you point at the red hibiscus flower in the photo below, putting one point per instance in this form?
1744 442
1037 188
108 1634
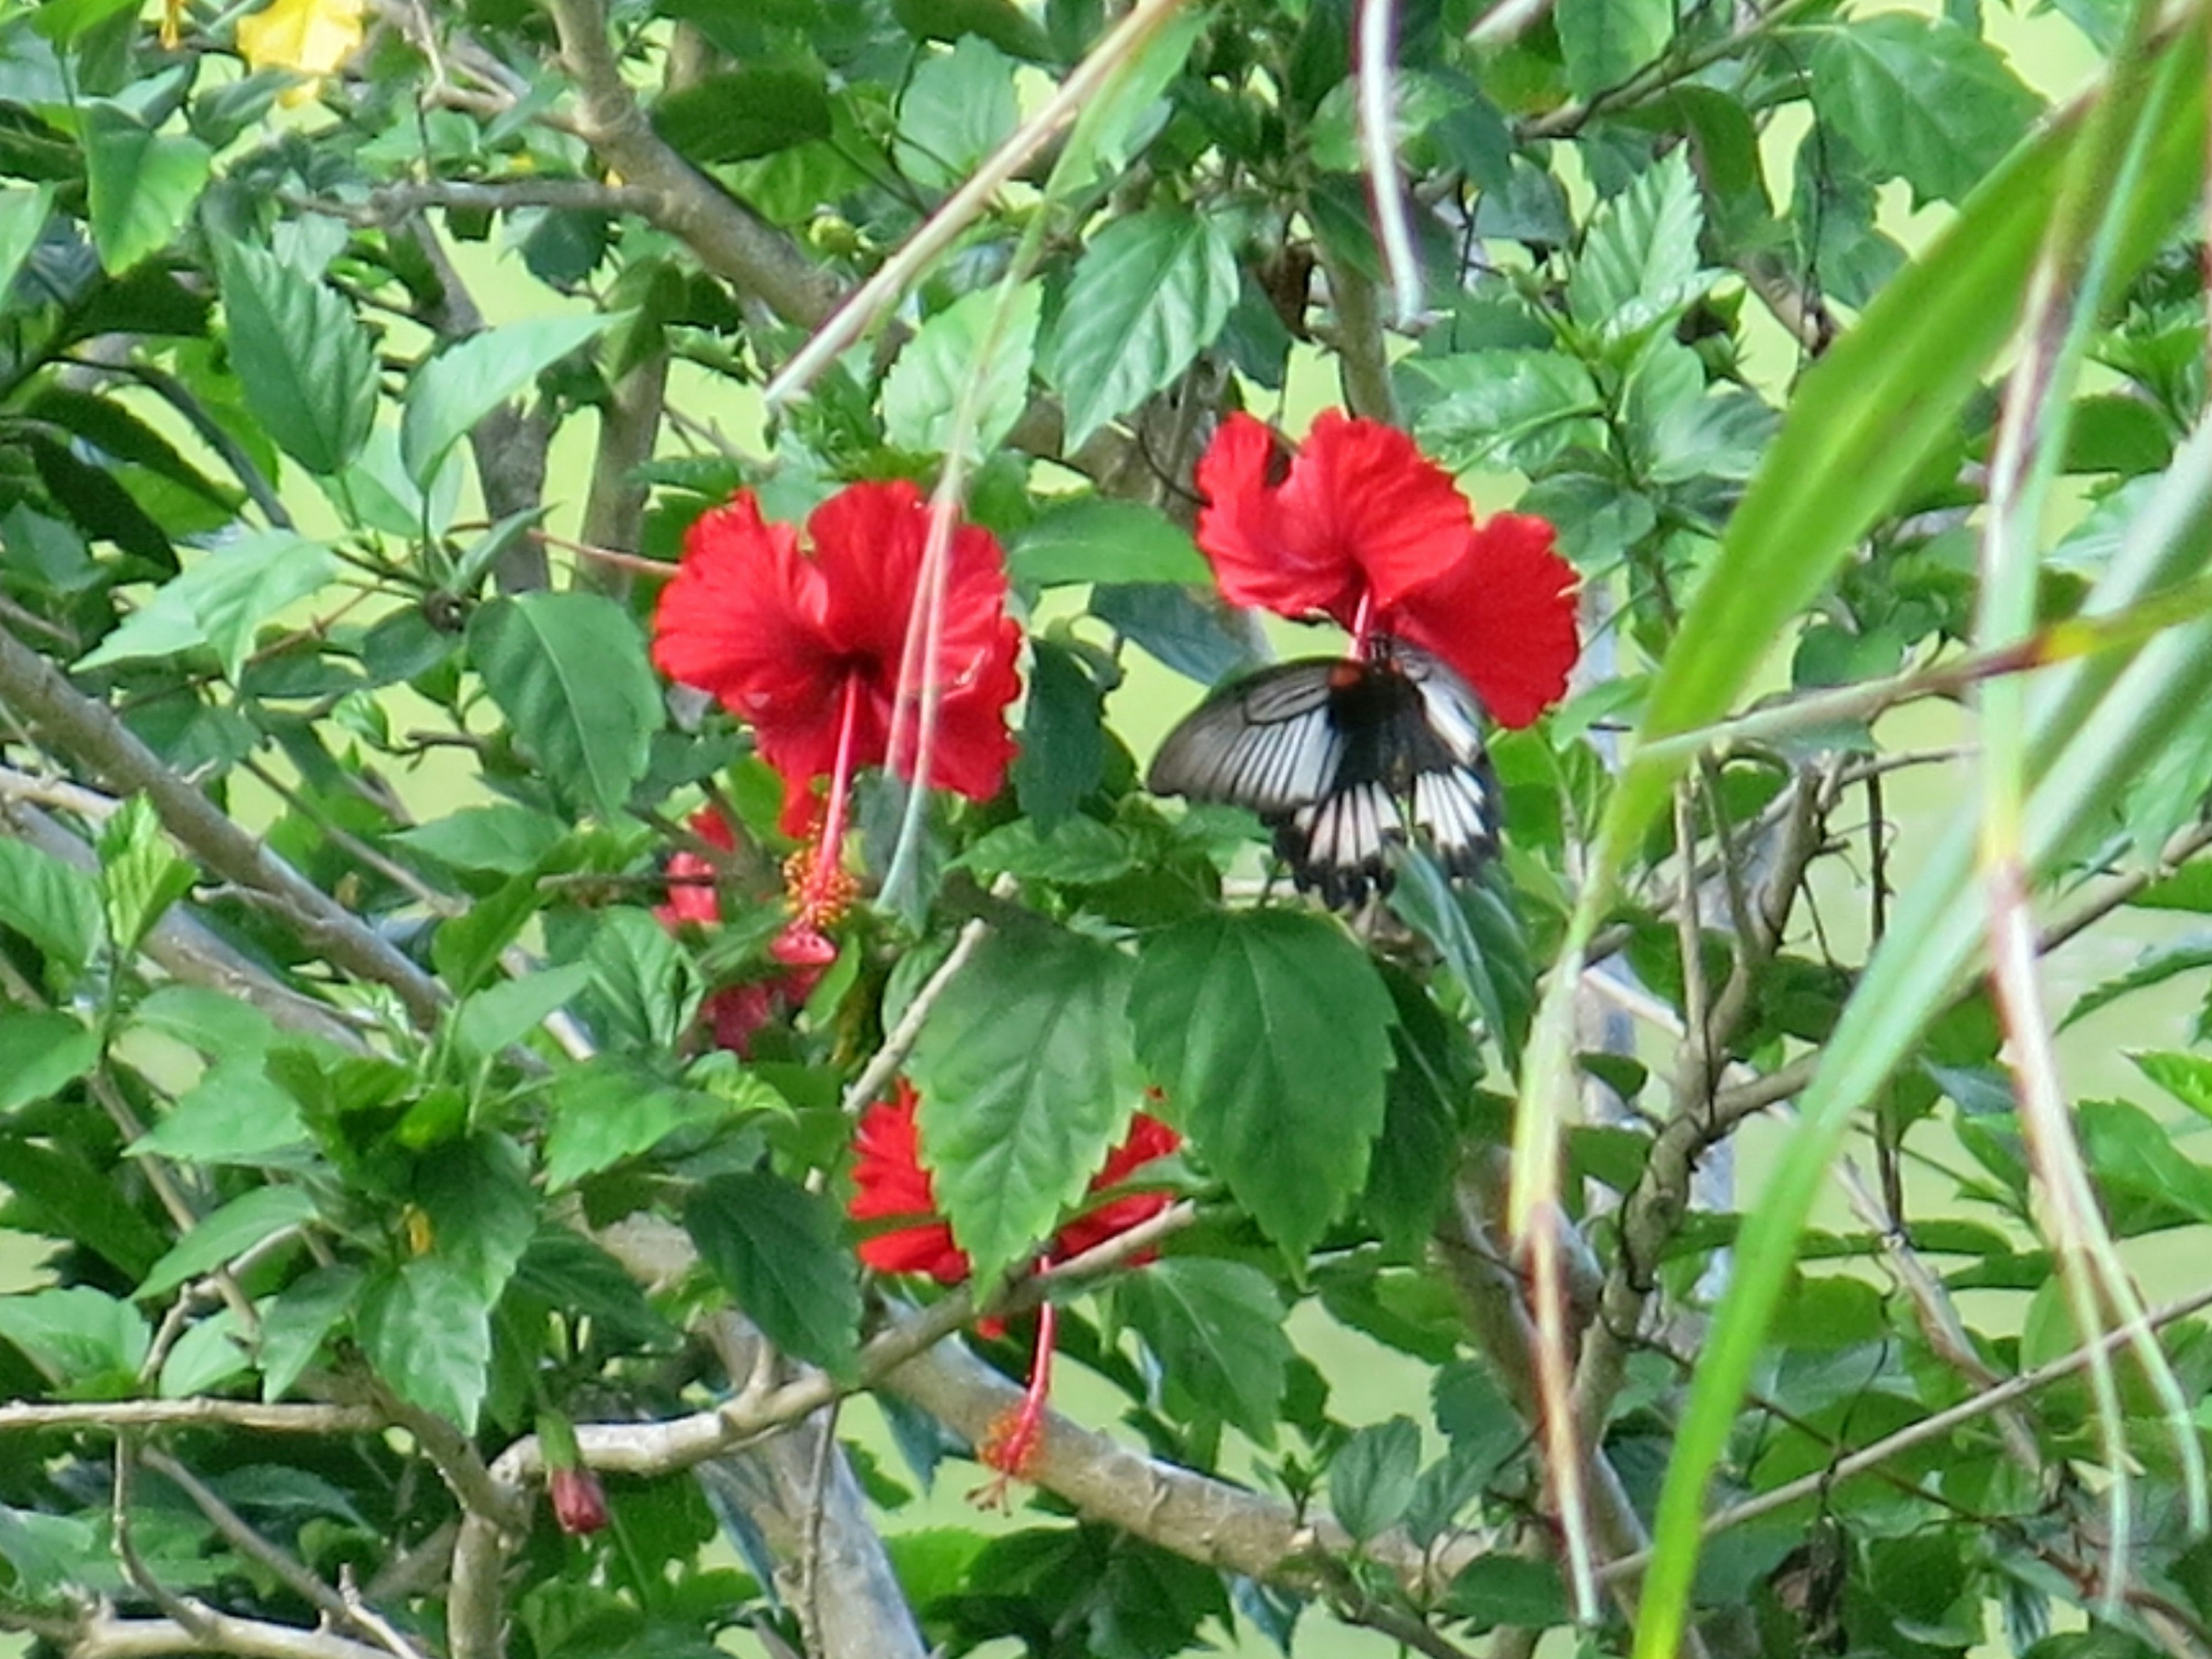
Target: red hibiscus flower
889 1181
1358 525
736 1013
809 646
806 645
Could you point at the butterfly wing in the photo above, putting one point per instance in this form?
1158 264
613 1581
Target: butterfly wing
1338 755
1265 742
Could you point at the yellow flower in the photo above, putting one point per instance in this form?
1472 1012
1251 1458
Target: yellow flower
309 37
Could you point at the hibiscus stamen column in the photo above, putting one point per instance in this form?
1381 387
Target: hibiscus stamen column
821 887
1011 1445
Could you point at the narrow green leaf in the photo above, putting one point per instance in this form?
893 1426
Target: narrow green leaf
222 1236
510 1012
1026 1079
1217 1327
1270 1032
1921 98
302 358
466 382
294 1322
779 1250
1096 540
1150 292
42 1052
54 905
2154 966
1063 752
140 185
428 1332
988 333
568 671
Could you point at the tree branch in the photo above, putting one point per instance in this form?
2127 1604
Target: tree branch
93 739
104 1636
722 231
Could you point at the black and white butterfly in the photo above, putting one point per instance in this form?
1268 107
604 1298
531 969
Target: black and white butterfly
1345 758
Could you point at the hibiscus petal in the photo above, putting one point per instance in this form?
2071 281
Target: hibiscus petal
742 619
1504 616
1359 511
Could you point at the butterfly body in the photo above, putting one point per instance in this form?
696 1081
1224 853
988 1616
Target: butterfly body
1345 759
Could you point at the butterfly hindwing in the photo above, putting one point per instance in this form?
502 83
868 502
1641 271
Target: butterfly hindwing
1337 755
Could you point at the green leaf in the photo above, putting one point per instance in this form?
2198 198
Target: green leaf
780 1252
1370 1478
48 1552
2153 966
1606 41
140 878
988 333
1479 937
302 358
1096 540
23 212
1217 1328
2136 1164
2187 1078
466 947
643 983
504 838
1518 1591
1081 851
42 1052
209 1354
1026 1080
1921 98
568 672
466 381
1150 292
583 1281
1270 1032
294 1322
59 1193
84 1339
957 108
54 905
222 1236
755 110
1638 265
428 1332
235 1114
140 185
607 1110
510 1012
1416 1155
1108 125
482 1209
1504 408
222 599
1062 758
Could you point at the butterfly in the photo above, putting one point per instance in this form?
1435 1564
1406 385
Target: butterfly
1345 758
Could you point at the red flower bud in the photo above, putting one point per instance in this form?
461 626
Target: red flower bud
580 1503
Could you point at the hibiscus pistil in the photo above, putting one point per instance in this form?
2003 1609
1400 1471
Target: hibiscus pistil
1011 1445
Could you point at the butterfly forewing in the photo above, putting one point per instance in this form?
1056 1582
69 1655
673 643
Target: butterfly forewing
1337 754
